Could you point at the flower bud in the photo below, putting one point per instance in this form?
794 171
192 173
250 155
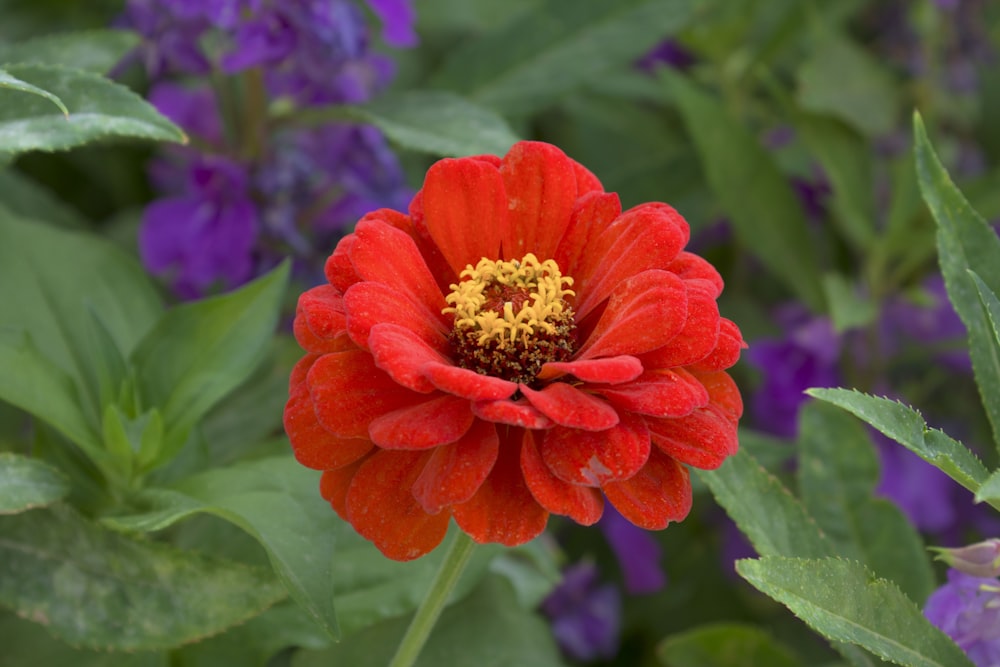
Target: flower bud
981 559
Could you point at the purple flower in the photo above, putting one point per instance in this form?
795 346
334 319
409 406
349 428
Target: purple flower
638 553
202 238
585 615
192 107
805 356
171 31
923 492
397 18
932 323
967 609
667 53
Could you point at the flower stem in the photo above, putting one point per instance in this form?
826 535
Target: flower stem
427 614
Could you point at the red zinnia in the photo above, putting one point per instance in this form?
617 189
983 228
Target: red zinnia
515 346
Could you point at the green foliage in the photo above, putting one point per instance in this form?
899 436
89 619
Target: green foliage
843 601
28 483
92 50
13 83
725 645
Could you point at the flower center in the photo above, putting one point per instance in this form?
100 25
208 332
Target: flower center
511 317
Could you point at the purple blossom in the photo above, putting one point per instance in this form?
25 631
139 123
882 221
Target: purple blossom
397 18
585 615
171 31
923 492
201 239
667 53
804 356
931 323
967 609
637 551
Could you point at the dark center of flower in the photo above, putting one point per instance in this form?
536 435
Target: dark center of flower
511 317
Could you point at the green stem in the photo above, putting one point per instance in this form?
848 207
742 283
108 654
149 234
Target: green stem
427 614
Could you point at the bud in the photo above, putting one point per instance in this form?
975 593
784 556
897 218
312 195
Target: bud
981 559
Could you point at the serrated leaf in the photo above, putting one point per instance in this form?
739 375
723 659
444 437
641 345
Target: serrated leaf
198 352
725 645
561 45
991 308
93 50
98 109
13 83
775 522
96 588
758 199
965 243
989 490
487 628
27 483
437 122
838 472
905 425
843 601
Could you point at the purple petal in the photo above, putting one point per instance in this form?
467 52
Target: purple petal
397 17
637 551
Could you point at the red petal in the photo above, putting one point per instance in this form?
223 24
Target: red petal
400 353
722 391
320 321
386 255
381 506
593 213
702 439
369 304
457 470
580 503
465 210
348 392
593 458
568 406
468 384
698 337
333 486
659 393
389 216
338 268
644 313
503 509
646 237
300 370
727 349
314 446
540 182
512 413
435 422
690 266
658 494
609 370
586 182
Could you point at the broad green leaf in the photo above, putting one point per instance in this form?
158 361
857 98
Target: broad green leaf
437 122
965 243
13 83
844 80
199 352
98 109
775 522
989 490
991 308
907 427
27 483
725 645
846 161
849 309
93 50
26 643
487 628
838 472
756 196
843 601
23 197
560 46
277 502
54 282
96 588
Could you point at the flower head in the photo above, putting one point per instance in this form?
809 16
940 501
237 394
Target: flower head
967 609
514 346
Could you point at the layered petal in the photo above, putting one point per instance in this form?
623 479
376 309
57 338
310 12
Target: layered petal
321 322
699 335
334 484
567 406
512 413
727 349
593 213
655 496
702 439
583 504
658 393
403 355
593 458
455 471
433 422
314 446
467 384
609 370
371 303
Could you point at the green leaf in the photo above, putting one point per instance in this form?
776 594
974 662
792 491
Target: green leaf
27 483
13 83
98 109
989 490
437 122
486 628
843 601
531 62
991 308
97 588
93 50
725 645
907 427
965 243
838 472
844 80
849 309
756 196
277 502
775 522
199 352
26 198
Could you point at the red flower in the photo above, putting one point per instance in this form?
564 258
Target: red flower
513 347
